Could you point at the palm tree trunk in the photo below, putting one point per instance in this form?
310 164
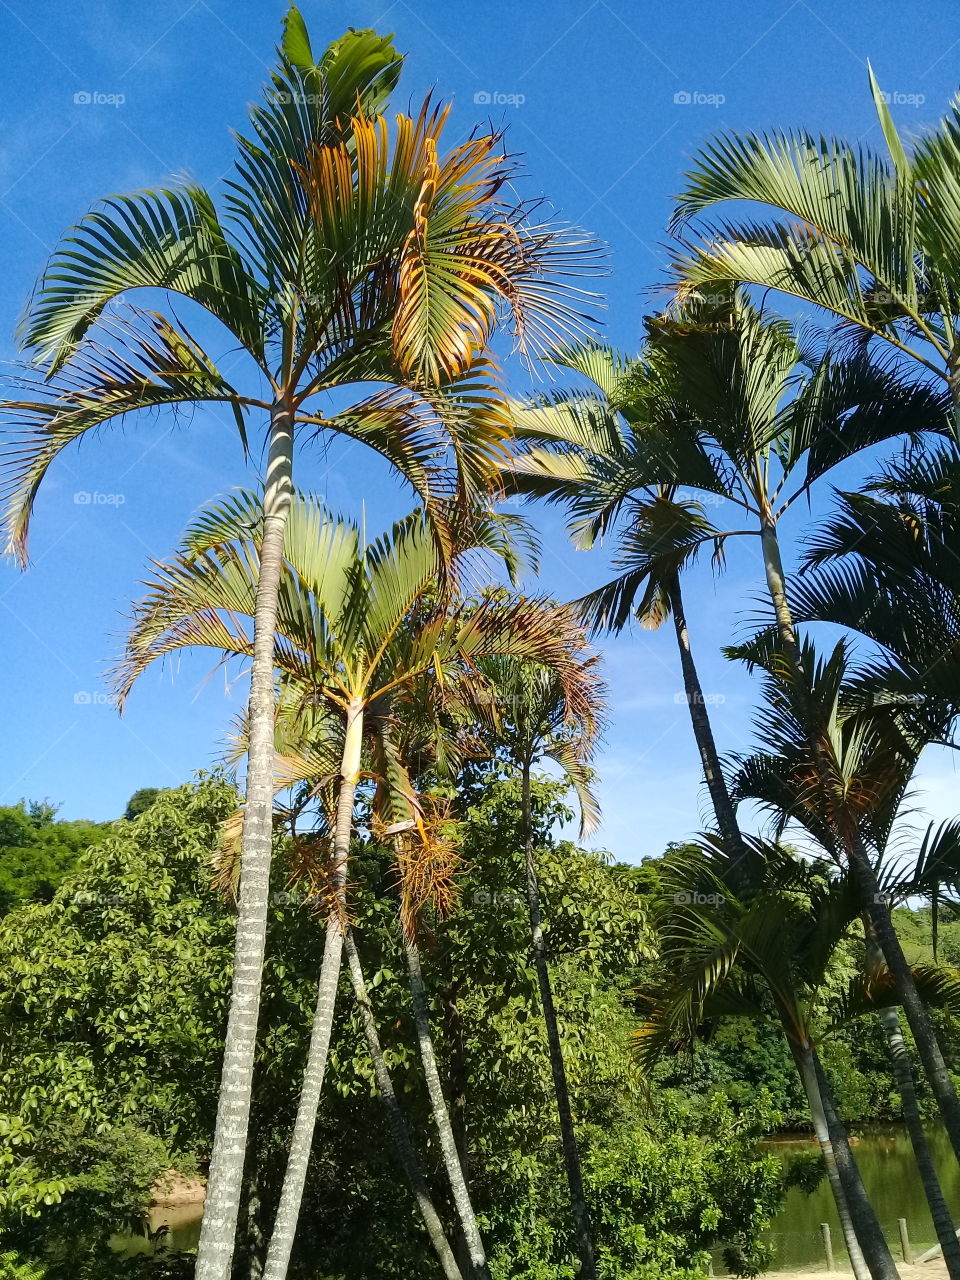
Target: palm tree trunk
441 1116
571 1153
457 1078
903 1075
869 1232
301 1142
397 1124
457 1073
255 1241
871 898
803 1057
723 809
224 1187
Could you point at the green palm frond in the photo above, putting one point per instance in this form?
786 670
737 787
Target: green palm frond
868 237
137 360
937 986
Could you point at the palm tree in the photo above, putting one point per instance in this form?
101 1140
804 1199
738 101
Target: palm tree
660 536
398 1126
309 745
355 626
764 952
536 724
350 252
871 754
730 402
869 237
884 565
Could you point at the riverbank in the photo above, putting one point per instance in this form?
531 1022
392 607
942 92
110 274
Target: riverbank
174 1190
933 1270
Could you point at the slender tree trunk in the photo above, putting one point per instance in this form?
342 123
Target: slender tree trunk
917 1013
255 1241
876 1251
457 1074
723 808
871 898
571 1153
935 922
219 1228
803 1056
457 1079
399 1131
301 1143
441 1116
903 1075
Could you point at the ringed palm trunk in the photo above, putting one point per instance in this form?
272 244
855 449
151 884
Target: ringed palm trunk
399 1131
723 809
871 899
568 1137
441 1115
803 1057
842 1172
301 1142
903 1076
225 1183
457 1078
868 1229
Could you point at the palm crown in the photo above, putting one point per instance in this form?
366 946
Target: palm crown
347 251
871 237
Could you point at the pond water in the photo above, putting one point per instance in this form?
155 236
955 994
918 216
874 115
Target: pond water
183 1230
885 1157
883 1153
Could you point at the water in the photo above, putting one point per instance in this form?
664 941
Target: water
886 1162
885 1158
183 1223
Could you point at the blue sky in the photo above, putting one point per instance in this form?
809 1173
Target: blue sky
607 102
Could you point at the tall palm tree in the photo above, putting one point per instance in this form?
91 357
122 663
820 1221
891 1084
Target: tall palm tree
349 252
871 237
355 626
730 402
536 724
872 761
660 535
309 744
764 951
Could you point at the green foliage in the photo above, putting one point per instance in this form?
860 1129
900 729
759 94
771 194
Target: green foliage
37 852
140 801
13 1267
112 1002
112 990
108 1189
806 1171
